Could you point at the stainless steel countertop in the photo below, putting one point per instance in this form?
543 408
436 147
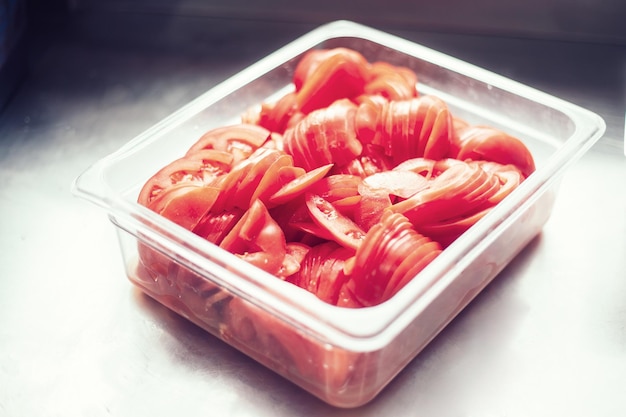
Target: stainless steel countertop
546 338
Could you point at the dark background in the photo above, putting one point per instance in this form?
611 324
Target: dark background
546 43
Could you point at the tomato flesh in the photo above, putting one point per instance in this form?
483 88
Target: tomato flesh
342 229
347 186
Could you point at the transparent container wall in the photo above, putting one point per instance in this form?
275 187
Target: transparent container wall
336 375
339 376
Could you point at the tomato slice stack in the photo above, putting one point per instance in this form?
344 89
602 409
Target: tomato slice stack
348 186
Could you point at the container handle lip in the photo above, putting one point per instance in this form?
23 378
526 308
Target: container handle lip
91 186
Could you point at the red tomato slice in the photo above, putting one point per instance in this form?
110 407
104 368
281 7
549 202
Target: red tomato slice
380 262
288 214
311 228
324 136
390 81
239 140
275 117
447 196
413 264
294 257
338 187
378 191
440 122
214 226
448 231
298 185
280 172
510 177
329 76
371 161
398 183
241 183
348 205
306 357
342 229
263 173
427 168
307 64
185 205
489 144
200 169
368 118
346 297
458 125
371 207
419 127
257 239
321 272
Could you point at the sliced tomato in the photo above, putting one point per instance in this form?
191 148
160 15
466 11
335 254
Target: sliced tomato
341 190
185 205
341 228
324 136
346 297
398 183
439 120
418 127
294 257
311 228
214 226
427 168
387 259
447 231
321 272
307 64
371 161
458 125
239 140
337 187
368 118
298 185
288 350
391 81
181 170
490 144
203 168
275 116
428 131
242 182
426 251
280 172
371 206
257 239
379 191
510 178
329 76
294 219
449 195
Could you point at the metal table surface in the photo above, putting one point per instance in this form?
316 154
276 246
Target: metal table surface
546 338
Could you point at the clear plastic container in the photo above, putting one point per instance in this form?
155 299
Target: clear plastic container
343 356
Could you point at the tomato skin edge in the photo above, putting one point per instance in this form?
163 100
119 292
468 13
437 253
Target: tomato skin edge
342 229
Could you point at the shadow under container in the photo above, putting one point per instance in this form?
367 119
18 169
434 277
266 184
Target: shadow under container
343 356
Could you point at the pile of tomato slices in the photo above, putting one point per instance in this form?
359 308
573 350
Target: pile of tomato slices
347 186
